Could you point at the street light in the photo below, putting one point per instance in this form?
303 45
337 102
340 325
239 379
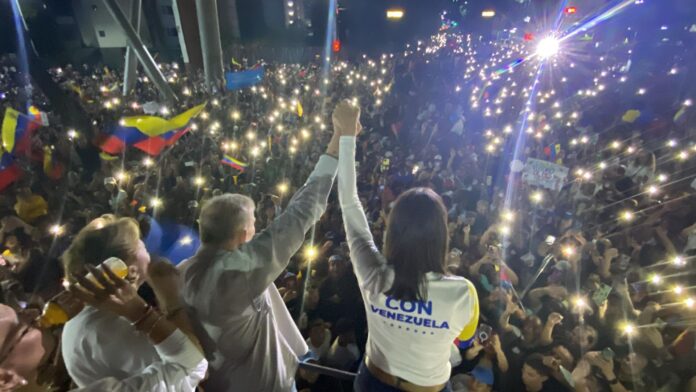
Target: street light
487 14
395 14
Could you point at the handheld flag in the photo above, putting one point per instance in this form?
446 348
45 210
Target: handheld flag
300 109
17 129
9 171
52 168
150 134
38 116
234 163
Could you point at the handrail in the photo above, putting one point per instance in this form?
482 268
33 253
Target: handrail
331 372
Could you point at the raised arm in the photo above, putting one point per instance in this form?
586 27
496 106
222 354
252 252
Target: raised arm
182 364
267 254
366 258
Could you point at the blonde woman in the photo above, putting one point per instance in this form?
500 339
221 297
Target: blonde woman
93 341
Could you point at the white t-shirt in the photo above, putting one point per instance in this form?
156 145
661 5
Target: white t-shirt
407 339
323 349
342 357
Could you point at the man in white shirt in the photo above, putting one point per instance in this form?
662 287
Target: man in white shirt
249 338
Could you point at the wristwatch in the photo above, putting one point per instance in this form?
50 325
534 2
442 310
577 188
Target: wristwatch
614 381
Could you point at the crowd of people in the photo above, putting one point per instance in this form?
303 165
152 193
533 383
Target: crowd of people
578 275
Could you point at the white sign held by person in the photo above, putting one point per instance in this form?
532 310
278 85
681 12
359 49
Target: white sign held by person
544 174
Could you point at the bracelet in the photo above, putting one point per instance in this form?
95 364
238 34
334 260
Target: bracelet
173 312
152 328
148 310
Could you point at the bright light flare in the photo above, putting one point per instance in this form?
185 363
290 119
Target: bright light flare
655 279
579 302
548 47
628 329
311 253
537 197
121 176
568 251
56 230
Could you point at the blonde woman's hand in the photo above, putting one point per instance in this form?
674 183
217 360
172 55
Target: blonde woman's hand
110 293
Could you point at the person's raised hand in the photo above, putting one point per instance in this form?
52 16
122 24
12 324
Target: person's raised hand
557 292
595 358
164 279
10 380
554 318
346 119
611 253
111 293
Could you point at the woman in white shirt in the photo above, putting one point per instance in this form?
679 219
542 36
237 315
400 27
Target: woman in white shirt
415 310
180 366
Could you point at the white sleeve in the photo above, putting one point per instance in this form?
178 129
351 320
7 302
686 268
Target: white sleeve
369 264
181 369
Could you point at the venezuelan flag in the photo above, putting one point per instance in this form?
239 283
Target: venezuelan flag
38 116
150 134
52 168
235 163
9 171
17 129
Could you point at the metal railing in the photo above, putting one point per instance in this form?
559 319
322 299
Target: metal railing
327 371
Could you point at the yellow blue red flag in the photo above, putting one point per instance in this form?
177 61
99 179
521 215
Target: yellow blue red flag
17 129
150 134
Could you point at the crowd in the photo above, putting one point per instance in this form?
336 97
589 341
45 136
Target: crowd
583 283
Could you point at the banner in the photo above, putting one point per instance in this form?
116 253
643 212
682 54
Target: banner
242 79
544 174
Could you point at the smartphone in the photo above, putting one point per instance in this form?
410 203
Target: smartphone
550 240
484 333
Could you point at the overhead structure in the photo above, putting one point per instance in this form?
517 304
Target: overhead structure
130 69
141 52
209 29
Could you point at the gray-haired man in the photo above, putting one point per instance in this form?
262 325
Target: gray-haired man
250 339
